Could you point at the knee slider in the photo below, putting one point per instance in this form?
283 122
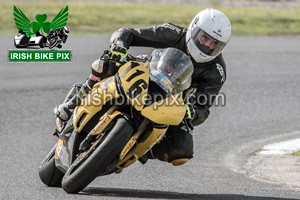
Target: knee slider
181 148
180 161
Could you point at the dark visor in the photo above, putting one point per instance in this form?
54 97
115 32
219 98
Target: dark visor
196 34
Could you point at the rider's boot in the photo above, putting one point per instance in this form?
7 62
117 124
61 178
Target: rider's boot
101 68
65 110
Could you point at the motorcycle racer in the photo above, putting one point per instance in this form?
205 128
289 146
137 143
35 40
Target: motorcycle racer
203 41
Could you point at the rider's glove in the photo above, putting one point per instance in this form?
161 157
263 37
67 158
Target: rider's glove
190 111
119 53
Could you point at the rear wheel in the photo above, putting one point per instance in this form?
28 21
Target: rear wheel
88 165
49 173
17 46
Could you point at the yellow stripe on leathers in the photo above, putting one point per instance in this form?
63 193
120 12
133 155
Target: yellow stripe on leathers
58 148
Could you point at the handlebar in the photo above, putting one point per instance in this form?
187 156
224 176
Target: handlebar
129 57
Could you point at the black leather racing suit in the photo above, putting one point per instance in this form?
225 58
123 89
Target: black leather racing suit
207 81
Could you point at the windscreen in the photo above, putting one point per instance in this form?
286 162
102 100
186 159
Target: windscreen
171 69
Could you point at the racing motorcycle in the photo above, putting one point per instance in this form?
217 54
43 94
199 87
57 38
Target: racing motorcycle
120 120
57 37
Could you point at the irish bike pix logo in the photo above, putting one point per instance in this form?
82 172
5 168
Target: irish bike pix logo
40 34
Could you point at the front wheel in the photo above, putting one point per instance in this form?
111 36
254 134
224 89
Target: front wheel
49 173
52 43
88 165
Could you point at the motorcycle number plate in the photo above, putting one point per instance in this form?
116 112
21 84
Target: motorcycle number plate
58 148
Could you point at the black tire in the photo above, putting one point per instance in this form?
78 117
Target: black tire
83 172
17 46
43 42
50 175
52 43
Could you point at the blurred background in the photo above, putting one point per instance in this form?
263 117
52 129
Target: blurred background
257 17
262 99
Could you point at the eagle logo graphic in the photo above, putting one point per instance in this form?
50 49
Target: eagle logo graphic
23 23
47 34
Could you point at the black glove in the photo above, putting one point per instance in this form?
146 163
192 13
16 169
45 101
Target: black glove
189 115
190 111
119 53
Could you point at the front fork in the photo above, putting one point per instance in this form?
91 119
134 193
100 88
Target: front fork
102 125
140 143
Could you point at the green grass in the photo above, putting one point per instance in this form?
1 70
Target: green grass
99 18
297 153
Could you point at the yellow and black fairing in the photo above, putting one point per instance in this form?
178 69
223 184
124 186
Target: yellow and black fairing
132 81
135 81
104 92
134 77
95 101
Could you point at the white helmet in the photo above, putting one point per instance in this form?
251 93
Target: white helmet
209 22
66 30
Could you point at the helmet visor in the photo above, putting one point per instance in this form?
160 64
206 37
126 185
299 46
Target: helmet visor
205 43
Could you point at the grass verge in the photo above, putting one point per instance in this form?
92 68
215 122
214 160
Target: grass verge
297 153
100 18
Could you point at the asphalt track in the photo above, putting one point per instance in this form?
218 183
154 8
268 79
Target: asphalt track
262 106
